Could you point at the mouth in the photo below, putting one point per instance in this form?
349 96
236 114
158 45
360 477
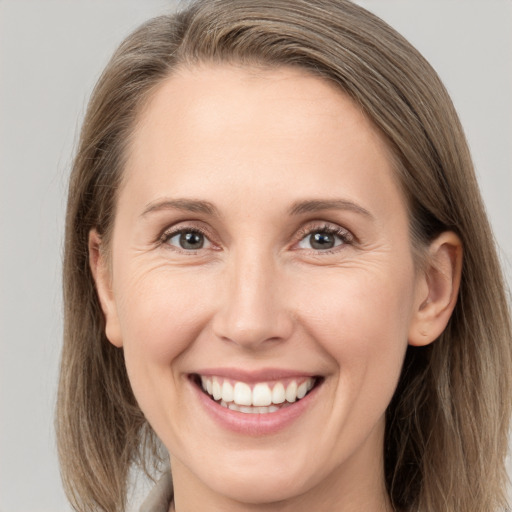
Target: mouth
265 397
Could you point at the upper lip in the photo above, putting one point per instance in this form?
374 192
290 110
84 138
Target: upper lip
249 376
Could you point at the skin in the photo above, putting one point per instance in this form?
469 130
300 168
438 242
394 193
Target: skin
254 142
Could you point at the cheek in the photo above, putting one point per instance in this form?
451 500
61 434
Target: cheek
159 322
361 319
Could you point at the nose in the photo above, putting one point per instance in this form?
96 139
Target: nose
253 311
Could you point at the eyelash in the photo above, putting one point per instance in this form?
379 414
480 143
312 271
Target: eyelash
170 233
343 234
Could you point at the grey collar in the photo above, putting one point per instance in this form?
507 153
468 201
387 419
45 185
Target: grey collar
160 497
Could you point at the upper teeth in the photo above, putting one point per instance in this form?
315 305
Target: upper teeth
262 394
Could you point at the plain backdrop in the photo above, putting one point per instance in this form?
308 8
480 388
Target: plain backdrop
51 53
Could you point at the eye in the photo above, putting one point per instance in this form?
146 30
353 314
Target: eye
187 240
325 238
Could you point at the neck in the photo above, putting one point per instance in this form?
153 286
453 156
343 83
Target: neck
359 501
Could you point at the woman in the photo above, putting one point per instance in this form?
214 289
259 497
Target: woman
278 265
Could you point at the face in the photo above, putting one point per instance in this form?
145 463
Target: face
262 286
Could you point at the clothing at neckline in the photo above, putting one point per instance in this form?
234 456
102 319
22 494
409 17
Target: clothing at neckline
160 497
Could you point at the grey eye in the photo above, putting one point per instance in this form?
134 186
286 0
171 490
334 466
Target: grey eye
189 240
321 240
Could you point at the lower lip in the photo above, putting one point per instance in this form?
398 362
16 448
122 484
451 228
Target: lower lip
254 424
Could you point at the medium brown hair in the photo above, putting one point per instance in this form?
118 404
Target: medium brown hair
447 425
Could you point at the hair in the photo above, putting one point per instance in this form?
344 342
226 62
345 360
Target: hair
447 424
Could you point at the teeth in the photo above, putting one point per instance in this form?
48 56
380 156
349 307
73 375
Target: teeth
216 390
249 410
291 392
243 395
260 399
301 390
278 394
227 392
261 395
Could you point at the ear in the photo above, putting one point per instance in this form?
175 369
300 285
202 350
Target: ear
102 278
437 289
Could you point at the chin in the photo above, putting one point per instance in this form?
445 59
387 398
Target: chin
262 487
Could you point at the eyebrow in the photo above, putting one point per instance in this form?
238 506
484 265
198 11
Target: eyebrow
186 205
297 208
311 206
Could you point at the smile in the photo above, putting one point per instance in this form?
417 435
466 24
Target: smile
258 397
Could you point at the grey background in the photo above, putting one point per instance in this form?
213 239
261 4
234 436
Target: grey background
51 53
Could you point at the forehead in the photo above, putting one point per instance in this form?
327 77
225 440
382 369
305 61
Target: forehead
253 128
208 99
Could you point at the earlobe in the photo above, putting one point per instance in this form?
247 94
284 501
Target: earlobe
102 279
437 290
